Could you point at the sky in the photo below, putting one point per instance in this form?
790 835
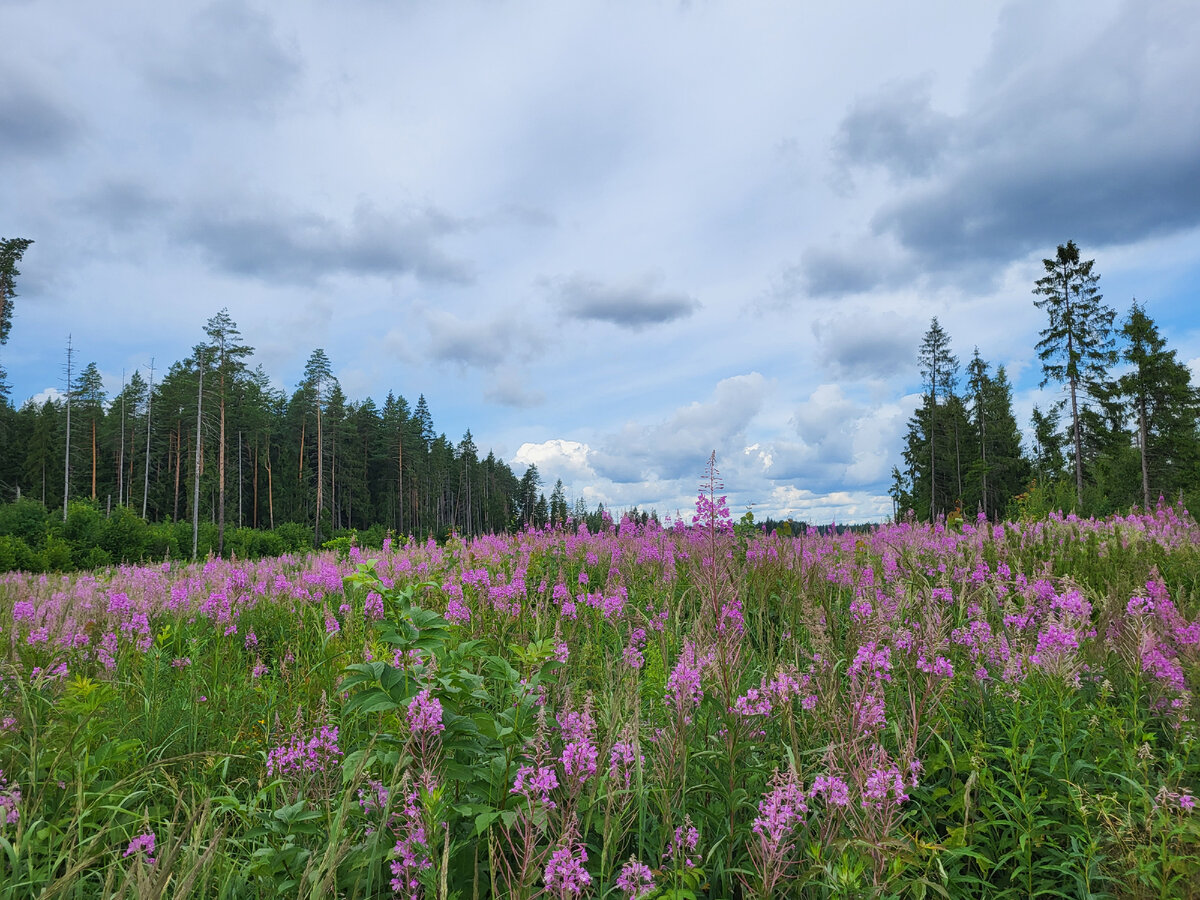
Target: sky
607 236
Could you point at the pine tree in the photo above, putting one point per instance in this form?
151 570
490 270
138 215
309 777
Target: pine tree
1076 348
90 397
228 355
318 374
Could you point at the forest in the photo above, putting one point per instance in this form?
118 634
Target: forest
1124 434
212 442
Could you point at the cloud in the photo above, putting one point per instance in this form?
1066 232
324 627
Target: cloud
1039 155
506 389
558 458
866 344
271 242
32 123
837 506
896 129
50 393
679 446
229 60
633 305
482 343
122 202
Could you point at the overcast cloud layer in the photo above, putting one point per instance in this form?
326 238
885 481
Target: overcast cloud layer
608 237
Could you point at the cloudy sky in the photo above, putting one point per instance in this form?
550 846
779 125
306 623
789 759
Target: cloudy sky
608 236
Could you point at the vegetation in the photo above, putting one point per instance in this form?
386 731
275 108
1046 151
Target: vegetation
1129 438
695 711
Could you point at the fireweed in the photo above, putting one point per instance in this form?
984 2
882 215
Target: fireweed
910 675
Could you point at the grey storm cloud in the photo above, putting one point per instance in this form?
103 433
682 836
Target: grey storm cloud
1040 155
483 343
228 60
896 129
634 305
299 246
122 202
32 123
878 345
507 390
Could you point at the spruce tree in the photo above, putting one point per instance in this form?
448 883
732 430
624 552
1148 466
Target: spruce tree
1076 348
1162 401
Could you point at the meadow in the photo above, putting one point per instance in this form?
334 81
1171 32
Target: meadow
694 710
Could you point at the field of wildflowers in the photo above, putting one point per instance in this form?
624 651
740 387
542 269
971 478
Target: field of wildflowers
689 711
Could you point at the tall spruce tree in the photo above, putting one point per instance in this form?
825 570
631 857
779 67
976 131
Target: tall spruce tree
1077 346
11 251
939 369
1163 403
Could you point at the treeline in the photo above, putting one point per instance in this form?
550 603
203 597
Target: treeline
213 443
1124 433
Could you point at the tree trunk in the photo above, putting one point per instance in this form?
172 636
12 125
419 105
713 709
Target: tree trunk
221 474
196 480
1145 464
254 513
320 474
1078 449
178 464
149 401
270 490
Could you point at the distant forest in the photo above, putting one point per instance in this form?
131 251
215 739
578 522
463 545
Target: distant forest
1124 433
212 441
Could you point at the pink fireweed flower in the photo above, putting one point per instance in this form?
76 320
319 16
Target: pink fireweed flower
565 875
781 809
299 754
623 760
870 713
731 620
181 662
10 802
457 612
1187 801
684 692
635 880
683 844
883 786
411 853
873 662
373 607
535 783
425 714
143 844
833 788
579 762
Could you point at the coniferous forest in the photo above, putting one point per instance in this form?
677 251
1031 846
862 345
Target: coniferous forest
209 456
225 460
1123 434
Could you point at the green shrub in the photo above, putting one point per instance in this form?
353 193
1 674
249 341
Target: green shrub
25 519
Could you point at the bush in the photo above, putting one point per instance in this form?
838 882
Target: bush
15 554
162 543
25 519
296 538
125 535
